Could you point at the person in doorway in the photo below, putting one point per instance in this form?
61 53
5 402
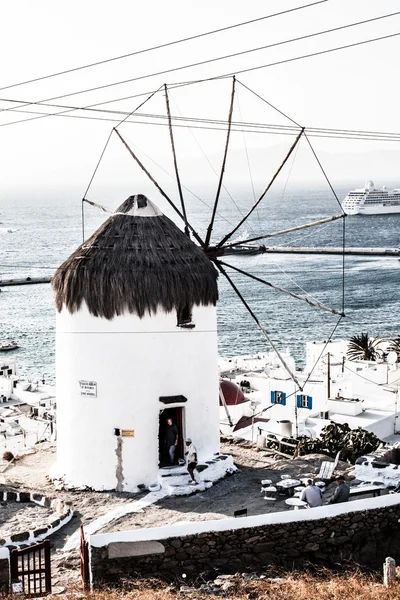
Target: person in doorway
342 492
172 439
312 495
191 460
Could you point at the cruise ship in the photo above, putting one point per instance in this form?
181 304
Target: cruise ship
372 201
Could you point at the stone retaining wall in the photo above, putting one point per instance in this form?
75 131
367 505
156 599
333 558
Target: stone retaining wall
363 532
63 513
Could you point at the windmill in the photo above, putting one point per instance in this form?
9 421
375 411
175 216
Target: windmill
217 250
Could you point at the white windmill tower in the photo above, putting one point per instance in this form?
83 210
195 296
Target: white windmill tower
136 343
136 330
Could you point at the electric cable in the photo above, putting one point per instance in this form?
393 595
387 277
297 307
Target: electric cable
221 76
368 138
289 128
215 59
356 137
366 379
160 46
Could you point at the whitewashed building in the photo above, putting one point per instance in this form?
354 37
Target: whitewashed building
136 343
361 393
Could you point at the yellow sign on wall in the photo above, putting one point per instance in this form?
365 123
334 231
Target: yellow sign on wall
128 432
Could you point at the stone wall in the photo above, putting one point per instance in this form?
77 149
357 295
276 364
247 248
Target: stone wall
362 531
63 513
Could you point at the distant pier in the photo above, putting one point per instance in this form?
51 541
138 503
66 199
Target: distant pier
236 250
24 281
249 250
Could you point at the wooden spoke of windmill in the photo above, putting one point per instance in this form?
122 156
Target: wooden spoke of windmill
218 250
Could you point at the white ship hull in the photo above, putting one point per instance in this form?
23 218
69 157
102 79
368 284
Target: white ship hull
372 201
373 210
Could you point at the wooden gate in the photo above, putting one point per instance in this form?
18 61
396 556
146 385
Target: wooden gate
84 560
31 570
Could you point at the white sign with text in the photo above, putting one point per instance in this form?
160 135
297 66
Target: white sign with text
88 388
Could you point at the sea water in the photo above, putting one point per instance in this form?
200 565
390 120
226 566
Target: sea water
46 231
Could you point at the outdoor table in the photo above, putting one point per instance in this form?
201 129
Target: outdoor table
295 502
287 485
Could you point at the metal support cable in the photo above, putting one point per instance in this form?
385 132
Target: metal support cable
90 183
312 370
140 106
283 231
190 129
324 173
269 103
343 261
168 199
229 235
259 325
172 177
323 349
313 303
101 158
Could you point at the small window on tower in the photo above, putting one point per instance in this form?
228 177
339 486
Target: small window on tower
184 317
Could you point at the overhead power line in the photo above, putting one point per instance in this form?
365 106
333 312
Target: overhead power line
216 59
237 126
196 81
160 46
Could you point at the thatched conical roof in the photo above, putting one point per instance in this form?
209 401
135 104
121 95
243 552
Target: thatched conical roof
136 262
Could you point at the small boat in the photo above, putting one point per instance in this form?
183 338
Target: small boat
6 346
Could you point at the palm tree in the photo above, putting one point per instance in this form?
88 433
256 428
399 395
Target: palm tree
362 347
394 346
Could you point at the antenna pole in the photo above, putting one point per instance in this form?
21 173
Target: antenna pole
329 375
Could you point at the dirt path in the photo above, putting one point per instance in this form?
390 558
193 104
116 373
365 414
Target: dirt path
31 474
241 490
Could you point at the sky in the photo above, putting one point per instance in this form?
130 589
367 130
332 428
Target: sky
357 88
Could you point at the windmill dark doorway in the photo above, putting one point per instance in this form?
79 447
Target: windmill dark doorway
177 416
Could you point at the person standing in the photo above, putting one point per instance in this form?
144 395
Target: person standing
342 492
191 460
312 495
172 439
